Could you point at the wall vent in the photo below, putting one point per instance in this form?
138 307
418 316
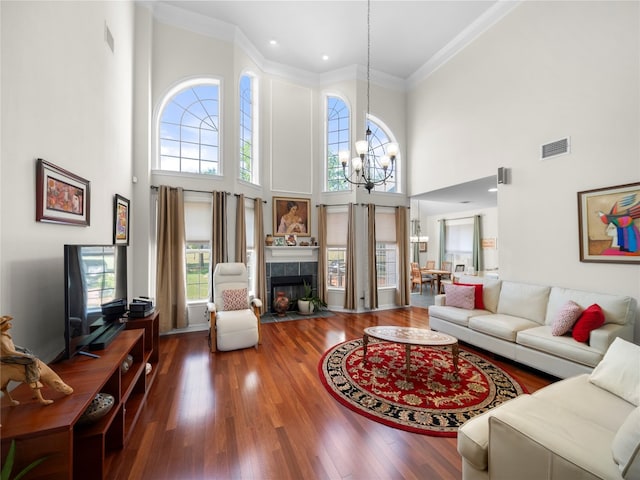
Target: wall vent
553 149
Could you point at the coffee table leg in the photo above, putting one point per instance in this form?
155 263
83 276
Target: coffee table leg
408 358
455 352
365 342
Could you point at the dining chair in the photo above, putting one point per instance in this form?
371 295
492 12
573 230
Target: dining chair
418 278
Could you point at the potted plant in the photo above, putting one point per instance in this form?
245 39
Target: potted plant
309 303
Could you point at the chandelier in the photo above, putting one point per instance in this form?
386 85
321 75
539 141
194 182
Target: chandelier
369 168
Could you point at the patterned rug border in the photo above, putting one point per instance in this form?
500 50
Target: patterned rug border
392 423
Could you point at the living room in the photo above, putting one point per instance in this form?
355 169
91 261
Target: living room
542 72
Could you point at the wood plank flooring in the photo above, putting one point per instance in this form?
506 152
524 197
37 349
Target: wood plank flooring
263 413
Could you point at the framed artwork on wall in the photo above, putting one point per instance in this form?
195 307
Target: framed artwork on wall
120 220
609 224
422 247
291 216
61 196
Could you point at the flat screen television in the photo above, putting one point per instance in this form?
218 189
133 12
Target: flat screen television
95 284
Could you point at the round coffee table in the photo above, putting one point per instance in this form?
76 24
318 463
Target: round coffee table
409 336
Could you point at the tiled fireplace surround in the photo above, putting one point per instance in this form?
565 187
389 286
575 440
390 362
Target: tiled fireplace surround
296 271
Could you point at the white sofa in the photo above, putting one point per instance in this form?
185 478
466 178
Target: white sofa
584 427
516 324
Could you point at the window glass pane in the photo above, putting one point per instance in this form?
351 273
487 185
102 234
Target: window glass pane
378 142
336 267
190 118
337 124
247 160
198 256
209 168
386 264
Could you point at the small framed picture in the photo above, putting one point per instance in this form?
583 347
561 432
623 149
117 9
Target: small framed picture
291 240
278 242
609 224
61 196
120 220
422 247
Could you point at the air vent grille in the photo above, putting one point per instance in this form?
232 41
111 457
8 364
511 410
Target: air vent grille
553 149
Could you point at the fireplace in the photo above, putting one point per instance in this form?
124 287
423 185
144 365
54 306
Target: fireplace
289 277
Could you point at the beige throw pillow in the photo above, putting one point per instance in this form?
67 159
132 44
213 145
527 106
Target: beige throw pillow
626 446
618 371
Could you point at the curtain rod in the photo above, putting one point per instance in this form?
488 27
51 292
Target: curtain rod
459 218
250 198
356 204
155 187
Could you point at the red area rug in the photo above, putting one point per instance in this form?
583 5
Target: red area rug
433 400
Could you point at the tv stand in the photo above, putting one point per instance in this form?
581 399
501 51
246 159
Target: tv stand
75 451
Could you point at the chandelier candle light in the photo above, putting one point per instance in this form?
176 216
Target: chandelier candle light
368 169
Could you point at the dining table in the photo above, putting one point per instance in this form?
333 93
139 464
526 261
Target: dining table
436 273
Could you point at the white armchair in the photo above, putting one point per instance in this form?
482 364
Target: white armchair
234 317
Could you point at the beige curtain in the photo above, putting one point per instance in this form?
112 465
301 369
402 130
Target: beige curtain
350 294
171 295
403 292
322 253
261 267
218 232
371 257
241 231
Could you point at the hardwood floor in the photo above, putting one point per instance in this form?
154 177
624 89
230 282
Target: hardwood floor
263 413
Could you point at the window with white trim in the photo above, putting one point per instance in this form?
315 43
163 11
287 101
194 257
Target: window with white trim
197 222
380 137
386 248
189 129
338 133
337 224
248 129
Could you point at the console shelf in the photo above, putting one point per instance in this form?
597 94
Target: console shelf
82 451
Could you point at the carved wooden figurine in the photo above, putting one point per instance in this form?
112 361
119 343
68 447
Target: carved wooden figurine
20 365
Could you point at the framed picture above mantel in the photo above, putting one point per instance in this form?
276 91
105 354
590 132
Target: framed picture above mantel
609 224
291 216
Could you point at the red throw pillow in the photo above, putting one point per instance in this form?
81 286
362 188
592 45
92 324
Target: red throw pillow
591 318
478 302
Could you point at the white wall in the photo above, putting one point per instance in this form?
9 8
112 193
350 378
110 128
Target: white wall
545 71
65 98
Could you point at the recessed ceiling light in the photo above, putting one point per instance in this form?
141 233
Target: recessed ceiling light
325 57
273 42
493 189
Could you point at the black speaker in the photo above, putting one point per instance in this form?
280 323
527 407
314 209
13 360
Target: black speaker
502 175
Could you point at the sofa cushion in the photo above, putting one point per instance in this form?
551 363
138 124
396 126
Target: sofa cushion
541 338
619 371
500 326
458 316
478 301
617 309
524 300
565 318
590 319
459 296
626 446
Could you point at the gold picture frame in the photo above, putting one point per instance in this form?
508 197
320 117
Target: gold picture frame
291 216
609 224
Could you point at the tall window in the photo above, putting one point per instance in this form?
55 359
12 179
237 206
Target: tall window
189 128
386 248
197 223
338 133
337 223
248 163
380 137
459 241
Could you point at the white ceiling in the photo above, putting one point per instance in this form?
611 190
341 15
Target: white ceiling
405 35
409 39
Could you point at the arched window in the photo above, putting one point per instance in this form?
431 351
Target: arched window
189 129
380 137
248 130
338 133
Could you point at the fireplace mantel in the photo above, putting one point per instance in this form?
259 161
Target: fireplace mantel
293 254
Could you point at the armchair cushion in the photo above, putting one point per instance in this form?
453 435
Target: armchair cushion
234 299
